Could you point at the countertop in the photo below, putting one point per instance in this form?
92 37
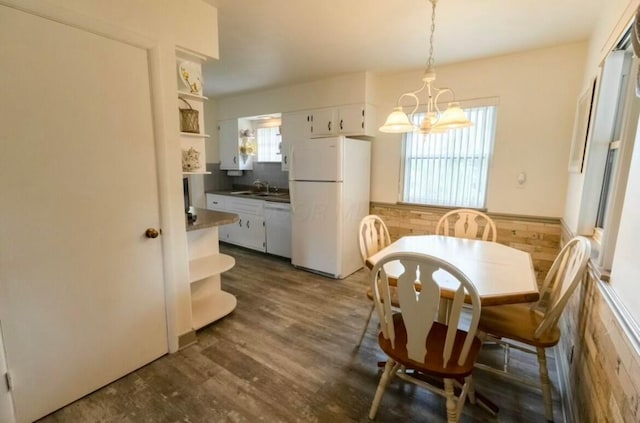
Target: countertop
209 219
281 197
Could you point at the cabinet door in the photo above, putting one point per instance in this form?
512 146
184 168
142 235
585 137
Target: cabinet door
254 233
233 232
323 123
228 142
351 120
294 127
248 232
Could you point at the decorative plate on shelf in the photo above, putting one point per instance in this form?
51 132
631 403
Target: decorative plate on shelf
191 76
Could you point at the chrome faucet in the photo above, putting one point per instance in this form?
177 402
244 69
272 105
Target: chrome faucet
261 184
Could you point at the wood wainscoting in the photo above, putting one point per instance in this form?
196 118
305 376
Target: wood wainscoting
539 236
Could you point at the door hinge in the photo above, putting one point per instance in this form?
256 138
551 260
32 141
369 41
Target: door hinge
8 381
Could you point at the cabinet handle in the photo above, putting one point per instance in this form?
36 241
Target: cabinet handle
285 159
240 223
341 128
248 222
234 159
329 126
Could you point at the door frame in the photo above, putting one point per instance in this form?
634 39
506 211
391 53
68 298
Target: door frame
161 62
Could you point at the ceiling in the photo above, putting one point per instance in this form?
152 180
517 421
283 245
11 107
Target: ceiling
267 43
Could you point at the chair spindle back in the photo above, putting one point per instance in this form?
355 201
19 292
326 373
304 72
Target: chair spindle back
421 309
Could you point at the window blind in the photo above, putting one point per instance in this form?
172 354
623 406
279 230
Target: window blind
268 144
450 169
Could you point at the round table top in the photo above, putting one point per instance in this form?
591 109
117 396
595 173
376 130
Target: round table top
501 274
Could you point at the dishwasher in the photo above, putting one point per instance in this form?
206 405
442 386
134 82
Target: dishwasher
277 219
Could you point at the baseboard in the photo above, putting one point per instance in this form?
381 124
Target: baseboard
187 339
564 388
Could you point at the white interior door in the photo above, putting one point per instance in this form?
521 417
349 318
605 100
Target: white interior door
81 287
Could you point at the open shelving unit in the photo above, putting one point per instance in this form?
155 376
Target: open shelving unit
192 62
206 264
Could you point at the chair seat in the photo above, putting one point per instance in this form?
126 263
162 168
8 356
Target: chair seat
517 322
435 346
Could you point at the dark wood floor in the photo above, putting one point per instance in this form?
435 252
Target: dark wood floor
286 354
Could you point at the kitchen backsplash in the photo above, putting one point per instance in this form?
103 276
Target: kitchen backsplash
270 173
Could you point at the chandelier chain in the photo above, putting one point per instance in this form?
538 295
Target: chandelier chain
430 60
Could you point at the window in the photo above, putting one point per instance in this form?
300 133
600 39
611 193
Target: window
620 96
268 139
450 169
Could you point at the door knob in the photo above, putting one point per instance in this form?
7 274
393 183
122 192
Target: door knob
151 233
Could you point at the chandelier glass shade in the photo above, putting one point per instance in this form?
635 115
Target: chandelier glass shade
435 120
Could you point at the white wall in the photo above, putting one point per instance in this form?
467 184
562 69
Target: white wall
342 89
191 24
537 92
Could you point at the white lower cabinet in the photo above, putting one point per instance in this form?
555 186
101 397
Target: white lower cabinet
263 225
249 230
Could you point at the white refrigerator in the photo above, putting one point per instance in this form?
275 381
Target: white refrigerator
329 189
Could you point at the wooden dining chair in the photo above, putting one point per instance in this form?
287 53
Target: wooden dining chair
536 324
466 223
373 236
419 348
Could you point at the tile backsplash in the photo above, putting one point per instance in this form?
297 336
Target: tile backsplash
266 172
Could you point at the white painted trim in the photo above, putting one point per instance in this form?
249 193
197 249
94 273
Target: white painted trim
629 326
155 54
566 393
80 21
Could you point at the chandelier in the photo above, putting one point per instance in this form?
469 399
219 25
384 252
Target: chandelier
435 121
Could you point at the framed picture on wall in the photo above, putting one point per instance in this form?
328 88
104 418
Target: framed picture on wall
581 129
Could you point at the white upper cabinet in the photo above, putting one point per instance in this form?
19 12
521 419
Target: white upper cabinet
323 122
353 120
230 141
349 120
295 127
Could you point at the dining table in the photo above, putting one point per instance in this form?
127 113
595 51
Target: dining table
501 274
